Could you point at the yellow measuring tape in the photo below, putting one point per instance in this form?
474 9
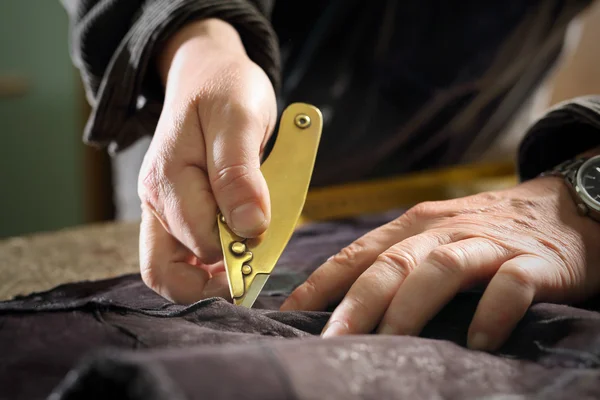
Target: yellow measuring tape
351 200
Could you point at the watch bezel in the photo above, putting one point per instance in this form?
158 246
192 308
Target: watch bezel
583 194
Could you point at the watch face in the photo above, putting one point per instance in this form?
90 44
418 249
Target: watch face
588 180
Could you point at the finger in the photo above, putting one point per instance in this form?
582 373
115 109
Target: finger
505 301
166 265
433 283
233 141
176 188
191 213
217 286
214 269
363 307
331 281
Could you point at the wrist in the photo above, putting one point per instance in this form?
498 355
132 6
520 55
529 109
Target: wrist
582 176
191 44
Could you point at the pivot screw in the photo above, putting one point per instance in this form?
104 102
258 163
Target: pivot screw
302 121
238 248
246 269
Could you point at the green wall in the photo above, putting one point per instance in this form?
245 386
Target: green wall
41 153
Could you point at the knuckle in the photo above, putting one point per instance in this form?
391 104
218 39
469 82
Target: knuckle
350 255
403 222
399 261
230 176
149 188
447 258
238 111
421 211
518 275
229 106
154 182
310 288
148 185
358 309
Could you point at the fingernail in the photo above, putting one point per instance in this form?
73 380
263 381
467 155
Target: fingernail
246 218
333 329
387 330
479 341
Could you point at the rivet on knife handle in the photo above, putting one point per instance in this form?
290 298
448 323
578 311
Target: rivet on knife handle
287 171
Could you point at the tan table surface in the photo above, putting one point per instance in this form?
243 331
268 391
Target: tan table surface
42 261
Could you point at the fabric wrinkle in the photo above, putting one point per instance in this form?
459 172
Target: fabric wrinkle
268 354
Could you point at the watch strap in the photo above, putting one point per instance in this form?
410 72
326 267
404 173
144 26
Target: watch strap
567 169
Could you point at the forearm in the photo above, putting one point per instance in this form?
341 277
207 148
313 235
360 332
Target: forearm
115 44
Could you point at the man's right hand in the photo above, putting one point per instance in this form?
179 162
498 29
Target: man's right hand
218 114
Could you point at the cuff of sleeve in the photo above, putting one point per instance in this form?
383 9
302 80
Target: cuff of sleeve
568 129
130 97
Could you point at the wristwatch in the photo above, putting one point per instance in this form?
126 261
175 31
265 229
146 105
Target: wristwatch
582 175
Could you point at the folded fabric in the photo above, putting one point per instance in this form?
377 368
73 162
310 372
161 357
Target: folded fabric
117 339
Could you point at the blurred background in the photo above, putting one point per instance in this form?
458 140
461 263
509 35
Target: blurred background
50 180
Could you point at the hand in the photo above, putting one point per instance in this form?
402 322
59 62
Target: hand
218 113
528 242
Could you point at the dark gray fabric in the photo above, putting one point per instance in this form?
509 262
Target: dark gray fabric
117 339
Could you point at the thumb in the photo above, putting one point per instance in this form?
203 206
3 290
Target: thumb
233 162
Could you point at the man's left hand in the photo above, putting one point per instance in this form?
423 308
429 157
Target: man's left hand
528 242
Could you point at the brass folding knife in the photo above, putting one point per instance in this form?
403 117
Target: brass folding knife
287 170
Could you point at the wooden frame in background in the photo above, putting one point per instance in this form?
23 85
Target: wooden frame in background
98 185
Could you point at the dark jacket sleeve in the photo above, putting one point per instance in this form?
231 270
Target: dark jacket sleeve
566 130
113 43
